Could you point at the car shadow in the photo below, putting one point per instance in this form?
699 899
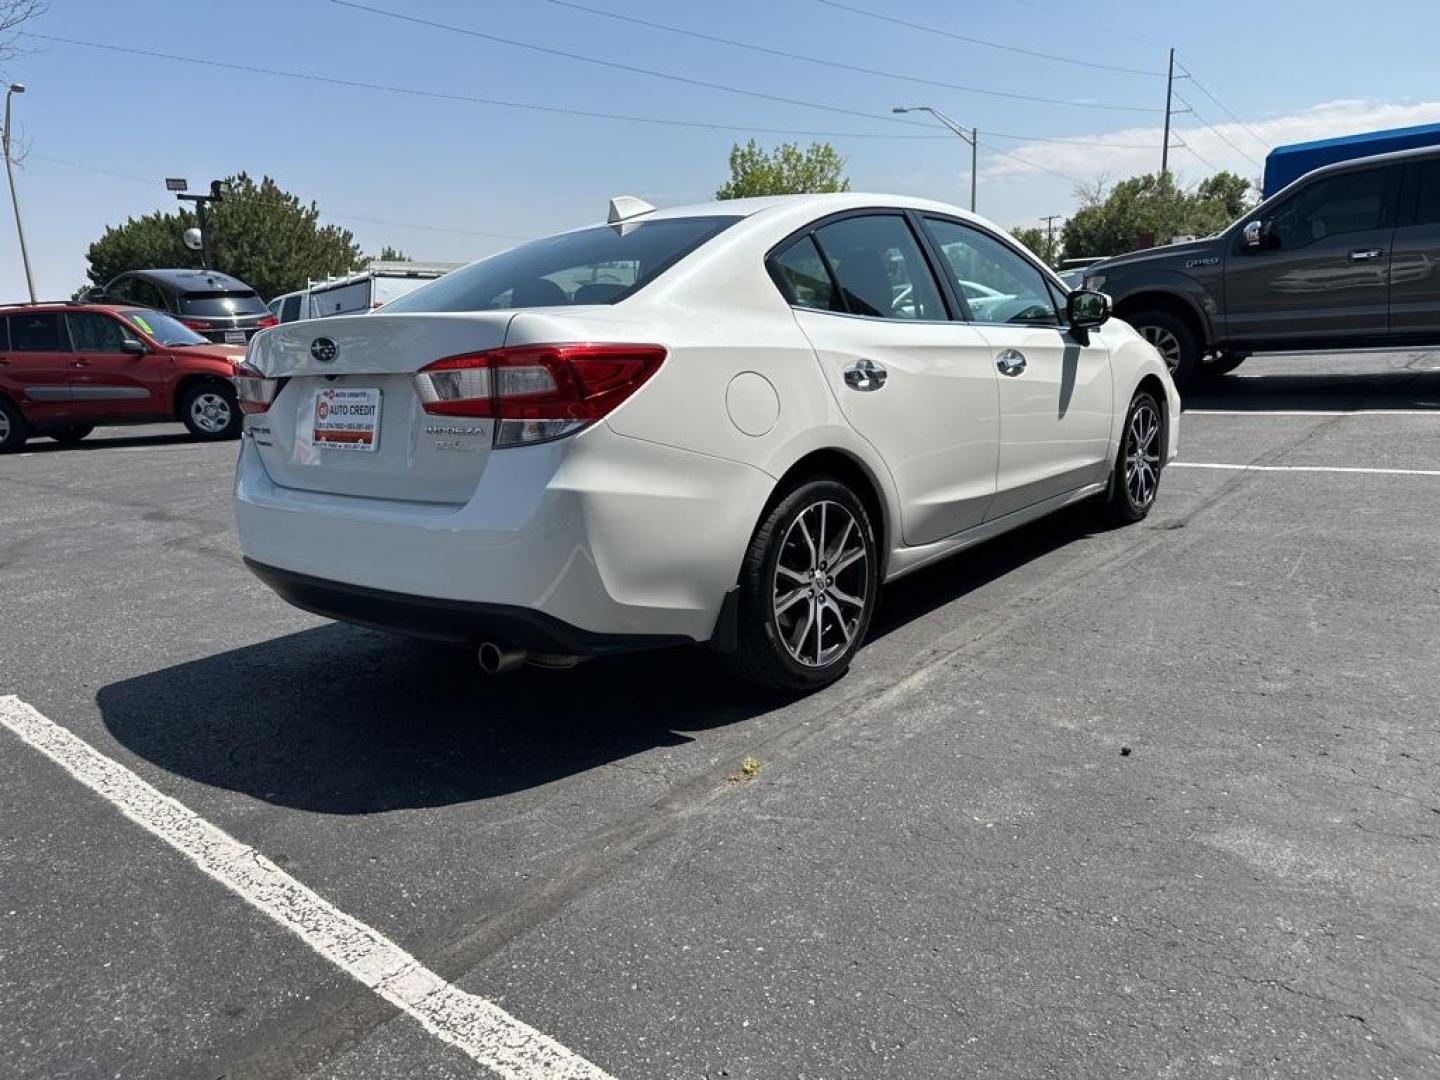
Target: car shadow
1401 388
41 444
343 720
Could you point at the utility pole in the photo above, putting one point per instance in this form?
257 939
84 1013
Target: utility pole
1049 220
217 194
17 88
972 136
1169 88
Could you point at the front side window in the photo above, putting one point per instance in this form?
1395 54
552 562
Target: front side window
602 265
40 331
804 278
1350 202
93 332
290 310
999 285
879 268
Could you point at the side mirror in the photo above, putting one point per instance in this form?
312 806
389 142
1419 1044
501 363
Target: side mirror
1256 234
133 347
1086 309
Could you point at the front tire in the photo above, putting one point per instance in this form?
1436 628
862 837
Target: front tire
1223 364
69 436
13 429
1135 480
807 589
211 412
1173 339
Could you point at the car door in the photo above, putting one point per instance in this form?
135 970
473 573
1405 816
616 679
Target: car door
1055 391
1321 272
1415 256
105 379
913 381
37 363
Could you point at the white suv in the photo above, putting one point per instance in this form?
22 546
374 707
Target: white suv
726 424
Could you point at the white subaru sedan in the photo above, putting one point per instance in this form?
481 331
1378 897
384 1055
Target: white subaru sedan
726 424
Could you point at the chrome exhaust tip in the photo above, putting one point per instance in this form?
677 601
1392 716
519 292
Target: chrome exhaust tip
495 659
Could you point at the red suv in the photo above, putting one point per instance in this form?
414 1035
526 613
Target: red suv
64 368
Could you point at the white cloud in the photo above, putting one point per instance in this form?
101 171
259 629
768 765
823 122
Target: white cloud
1119 154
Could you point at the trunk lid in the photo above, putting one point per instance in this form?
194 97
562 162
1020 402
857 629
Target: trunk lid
363 364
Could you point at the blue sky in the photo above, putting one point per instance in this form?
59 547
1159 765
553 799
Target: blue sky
456 180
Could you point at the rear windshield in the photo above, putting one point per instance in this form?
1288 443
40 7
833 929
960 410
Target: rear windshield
222 303
602 265
163 329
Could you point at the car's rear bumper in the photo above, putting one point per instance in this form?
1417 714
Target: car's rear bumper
457 621
600 534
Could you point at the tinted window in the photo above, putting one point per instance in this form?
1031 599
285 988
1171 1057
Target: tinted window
163 329
144 294
806 281
879 268
38 332
999 285
1350 202
93 332
218 304
290 310
1427 208
602 265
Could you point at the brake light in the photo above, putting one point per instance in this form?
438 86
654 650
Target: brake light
196 324
267 321
536 393
255 391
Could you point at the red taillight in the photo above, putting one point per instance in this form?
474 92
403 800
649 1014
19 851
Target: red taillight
267 321
196 324
254 390
537 392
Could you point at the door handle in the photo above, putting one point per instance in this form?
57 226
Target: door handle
1365 254
80 363
865 375
1011 362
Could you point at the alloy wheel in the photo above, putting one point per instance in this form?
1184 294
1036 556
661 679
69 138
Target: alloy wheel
4 426
1142 455
822 584
211 412
1165 342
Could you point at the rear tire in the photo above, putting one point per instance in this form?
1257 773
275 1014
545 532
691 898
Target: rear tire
13 429
69 436
1135 480
1173 339
211 412
807 589
1223 364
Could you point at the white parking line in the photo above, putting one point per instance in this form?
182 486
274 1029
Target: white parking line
476 1026
1312 412
1301 468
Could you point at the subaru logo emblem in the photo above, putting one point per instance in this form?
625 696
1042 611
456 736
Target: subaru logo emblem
324 350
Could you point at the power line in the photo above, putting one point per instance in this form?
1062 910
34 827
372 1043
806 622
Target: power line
765 49
926 28
1196 154
441 95
1221 106
1214 131
706 84
1036 165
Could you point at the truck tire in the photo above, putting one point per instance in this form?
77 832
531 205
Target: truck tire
1223 364
1173 339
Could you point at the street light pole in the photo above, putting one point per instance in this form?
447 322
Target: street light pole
16 88
971 136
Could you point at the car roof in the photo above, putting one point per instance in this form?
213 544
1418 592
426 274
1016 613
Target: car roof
22 306
184 280
818 204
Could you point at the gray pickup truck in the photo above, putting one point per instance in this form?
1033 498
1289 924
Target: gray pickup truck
1346 257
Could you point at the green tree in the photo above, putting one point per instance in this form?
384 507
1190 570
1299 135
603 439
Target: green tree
1041 241
388 254
260 233
786 170
1152 208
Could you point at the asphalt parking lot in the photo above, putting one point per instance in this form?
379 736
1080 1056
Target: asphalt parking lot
1152 802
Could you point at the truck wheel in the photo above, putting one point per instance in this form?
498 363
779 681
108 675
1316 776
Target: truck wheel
13 429
1173 339
211 412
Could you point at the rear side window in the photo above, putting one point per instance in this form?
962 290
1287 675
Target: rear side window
290 310
41 331
879 268
1427 207
1350 202
602 265
221 304
804 279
